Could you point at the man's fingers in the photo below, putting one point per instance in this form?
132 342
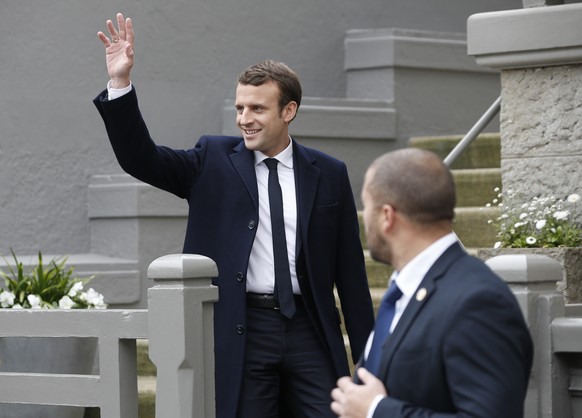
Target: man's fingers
121 25
112 31
123 32
129 30
365 376
344 383
103 39
337 408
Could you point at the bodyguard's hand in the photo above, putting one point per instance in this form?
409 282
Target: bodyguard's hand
351 400
118 51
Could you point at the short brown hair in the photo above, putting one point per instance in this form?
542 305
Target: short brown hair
278 72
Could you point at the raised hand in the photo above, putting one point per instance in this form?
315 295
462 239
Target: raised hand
119 51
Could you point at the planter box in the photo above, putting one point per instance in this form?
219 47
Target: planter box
569 257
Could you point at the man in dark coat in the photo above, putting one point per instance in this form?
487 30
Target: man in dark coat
268 347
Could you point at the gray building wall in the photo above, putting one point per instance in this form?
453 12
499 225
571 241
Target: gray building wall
188 54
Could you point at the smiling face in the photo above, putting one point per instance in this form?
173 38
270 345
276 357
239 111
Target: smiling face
263 125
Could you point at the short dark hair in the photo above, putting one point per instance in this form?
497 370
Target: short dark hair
278 72
415 182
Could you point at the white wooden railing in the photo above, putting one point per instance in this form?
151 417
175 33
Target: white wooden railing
179 327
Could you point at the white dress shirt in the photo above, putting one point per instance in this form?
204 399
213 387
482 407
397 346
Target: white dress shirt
113 94
261 270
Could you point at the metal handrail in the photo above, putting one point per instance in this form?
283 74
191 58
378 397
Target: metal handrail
473 132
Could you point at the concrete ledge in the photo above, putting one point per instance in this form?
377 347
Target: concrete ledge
566 335
120 195
393 47
531 37
522 269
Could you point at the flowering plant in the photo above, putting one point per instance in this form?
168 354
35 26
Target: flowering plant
47 287
543 222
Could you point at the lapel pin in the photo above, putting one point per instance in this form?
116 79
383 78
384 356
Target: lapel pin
421 294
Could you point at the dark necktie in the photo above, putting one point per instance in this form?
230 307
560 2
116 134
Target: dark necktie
283 288
382 328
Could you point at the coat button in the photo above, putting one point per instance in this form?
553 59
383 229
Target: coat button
252 224
240 277
240 329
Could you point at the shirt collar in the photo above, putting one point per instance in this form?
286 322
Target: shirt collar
285 157
410 277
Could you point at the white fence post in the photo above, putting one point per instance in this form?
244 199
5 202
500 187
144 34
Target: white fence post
533 279
181 334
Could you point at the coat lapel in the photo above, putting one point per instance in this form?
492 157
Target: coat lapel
306 181
415 305
243 161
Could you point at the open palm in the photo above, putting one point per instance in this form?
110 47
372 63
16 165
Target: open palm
119 50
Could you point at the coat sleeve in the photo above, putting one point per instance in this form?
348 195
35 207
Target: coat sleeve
352 282
168 169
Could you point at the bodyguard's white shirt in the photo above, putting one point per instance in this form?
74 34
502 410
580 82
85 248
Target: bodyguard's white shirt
408 279
261 270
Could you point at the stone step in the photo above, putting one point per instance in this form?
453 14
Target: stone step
145 367
470 224
483 152
472 228
476 186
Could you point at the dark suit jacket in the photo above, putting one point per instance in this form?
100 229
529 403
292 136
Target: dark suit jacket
218 179
463 350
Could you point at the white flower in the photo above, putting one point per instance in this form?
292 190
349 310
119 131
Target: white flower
497 244
35 301
7 299
75 289
496 189
573 198
17 306
530 240
523 216
94 298
66 303
561 214
540 224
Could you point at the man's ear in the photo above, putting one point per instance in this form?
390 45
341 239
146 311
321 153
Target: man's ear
289 111
388 214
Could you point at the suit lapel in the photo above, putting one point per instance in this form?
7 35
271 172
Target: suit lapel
243 161
417 303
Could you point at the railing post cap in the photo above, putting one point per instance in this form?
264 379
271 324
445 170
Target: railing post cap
182 266
526 268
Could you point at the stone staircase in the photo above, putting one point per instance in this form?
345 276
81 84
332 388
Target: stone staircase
476 172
